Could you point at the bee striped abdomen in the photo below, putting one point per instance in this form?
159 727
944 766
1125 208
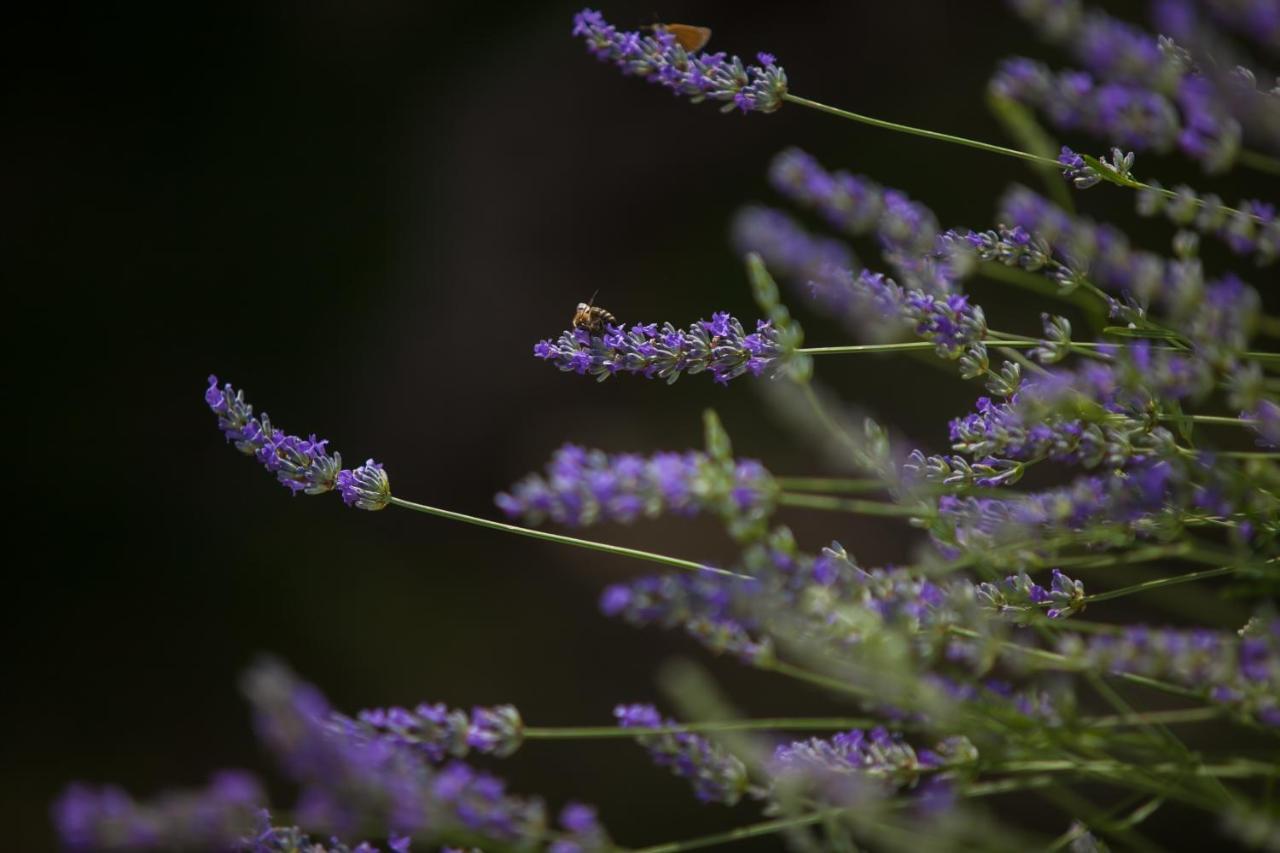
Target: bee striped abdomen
592 317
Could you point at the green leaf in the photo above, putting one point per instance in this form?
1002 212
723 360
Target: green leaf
714 436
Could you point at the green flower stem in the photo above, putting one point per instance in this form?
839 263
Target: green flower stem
1241 768
1147 586
794 724
1258 162
817 679
564 540
1145 554
852 505
927 134
1210 419
1183 715
1107 175
899 347
829 484
1245 454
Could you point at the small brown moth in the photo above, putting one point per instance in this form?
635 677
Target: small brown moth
691 38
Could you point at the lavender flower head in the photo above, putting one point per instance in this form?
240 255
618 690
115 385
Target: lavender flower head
438 732
366 487
719 345
582 487
301 464
717 776
877 754
220 816
661 59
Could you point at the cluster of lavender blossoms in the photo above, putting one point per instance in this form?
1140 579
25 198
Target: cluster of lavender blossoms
301 464
660 58
1128 432
719 345
583 487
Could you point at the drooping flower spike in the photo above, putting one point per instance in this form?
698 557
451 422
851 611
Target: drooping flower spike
659 57
301 464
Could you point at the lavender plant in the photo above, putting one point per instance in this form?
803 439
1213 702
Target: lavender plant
969 672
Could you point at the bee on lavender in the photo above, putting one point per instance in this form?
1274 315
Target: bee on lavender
592 317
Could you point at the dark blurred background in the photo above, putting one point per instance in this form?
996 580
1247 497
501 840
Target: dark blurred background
365 214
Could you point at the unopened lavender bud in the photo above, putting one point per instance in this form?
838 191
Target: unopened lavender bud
365 487
497 731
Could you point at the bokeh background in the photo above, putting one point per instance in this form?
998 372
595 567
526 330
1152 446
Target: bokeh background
365 214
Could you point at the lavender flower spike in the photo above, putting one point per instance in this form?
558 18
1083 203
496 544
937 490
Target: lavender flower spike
301 464
218 817
699 76
719 345
438 732
583 487
717 776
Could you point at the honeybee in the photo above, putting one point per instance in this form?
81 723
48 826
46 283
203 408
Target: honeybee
689 37
591 317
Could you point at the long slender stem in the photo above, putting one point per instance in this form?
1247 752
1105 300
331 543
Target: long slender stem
1181 715
829 484
564 540
927 134
988 147
848 505
899 347
1147 586
795 724
1258 162
1239 769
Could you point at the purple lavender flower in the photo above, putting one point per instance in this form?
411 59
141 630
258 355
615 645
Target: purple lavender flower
708 609
1265 419
1252 230
583 487
788 250
291 839
1258 19
367 487
856 205
951 323
218 817
1077 171
438 732
1241 671
583 832
496 731
1111 48
1149 497
350 778
1124 114
661 59
877 754
1019 593
1105 252
716 775
719 345
301 464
